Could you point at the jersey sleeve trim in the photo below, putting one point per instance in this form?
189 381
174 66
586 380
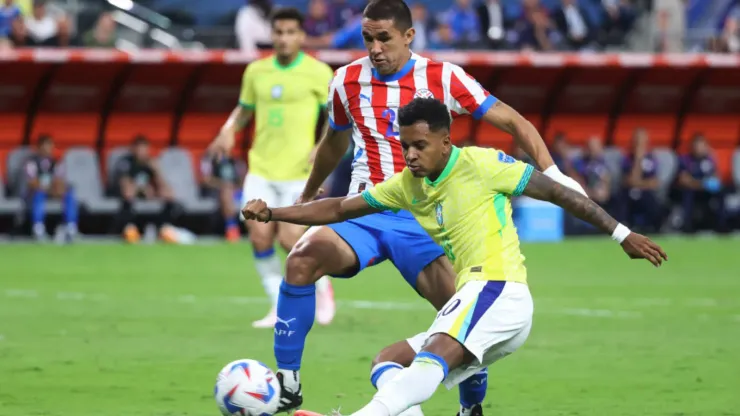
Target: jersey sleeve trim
247 106
370 199
339 127
484 107
523 181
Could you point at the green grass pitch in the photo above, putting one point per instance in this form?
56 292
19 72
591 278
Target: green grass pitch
142 331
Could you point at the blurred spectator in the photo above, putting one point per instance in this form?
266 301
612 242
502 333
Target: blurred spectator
421 26
464 23
344 11
219 180
572 21
45 180
670 24
9 12
493 23
253 29
619 17
103 35
731 34
593 173
702 192
561 152
19 34
534 30
138 177
42 27
5 45
442 38
640 206
318 20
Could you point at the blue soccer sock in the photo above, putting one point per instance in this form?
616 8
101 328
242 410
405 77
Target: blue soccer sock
70 208
38 204
473 390
296 311
231 222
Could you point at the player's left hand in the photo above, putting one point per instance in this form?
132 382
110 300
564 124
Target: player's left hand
257 210
637 246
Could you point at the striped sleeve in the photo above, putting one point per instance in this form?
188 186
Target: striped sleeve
466 95
338 118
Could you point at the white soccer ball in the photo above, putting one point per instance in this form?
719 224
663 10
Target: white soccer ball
247 388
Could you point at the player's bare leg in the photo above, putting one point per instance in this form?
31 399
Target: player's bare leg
288 235
320 251
262 237
228 210
436 283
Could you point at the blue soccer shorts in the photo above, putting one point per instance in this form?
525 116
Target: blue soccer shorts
389 236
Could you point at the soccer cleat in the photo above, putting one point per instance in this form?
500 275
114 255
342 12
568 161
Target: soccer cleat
326 308
168 234
268 321
232 234
289 400
131 234
309 413
476 410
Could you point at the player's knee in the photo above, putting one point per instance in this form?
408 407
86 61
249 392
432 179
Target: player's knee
302 265
400 353
261 241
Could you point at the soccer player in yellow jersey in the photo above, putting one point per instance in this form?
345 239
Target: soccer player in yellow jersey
461 197
285 93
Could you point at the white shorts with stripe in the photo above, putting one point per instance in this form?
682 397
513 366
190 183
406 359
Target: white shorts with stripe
491 319
276 194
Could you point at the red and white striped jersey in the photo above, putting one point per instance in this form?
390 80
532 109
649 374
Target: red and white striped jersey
366 101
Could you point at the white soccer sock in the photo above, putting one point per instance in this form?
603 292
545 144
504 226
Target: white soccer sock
322 285
291 380
270 270
410 387
390 370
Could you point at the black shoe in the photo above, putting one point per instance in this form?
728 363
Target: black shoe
289 400
476 410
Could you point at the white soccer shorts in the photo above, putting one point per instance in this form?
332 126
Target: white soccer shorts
276 194
490 319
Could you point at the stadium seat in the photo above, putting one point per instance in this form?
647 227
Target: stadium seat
177 169
667 169
577 128
83 172
723 158
660 128
8 205
462 130
736 167
16 159
722 131
197 130
613 157
12 126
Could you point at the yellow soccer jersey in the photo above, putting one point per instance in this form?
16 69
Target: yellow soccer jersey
286 101
467 211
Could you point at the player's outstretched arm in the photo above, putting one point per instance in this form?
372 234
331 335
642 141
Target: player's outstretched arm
322 212
329 152
635 245
528 138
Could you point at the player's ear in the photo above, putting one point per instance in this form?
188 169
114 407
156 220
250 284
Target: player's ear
409 35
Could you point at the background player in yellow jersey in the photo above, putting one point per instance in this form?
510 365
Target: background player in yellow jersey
461 197
285 92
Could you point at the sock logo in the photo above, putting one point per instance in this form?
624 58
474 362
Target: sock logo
284 332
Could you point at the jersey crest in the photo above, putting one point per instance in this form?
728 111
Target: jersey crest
276 92
423 93
438 212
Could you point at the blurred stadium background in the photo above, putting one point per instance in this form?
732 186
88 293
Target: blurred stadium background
143 330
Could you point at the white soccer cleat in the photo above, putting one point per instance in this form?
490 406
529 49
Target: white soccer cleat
268 321
326 307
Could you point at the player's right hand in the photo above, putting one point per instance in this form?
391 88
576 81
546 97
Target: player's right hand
221 145
637 246
257 210
308 196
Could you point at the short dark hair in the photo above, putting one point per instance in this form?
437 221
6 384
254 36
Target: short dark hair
287 13
429 110
396 10
139 140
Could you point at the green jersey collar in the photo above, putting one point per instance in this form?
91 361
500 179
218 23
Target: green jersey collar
291 65
448 168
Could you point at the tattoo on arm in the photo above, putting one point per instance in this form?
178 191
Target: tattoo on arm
545 189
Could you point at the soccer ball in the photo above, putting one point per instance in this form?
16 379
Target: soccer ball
247 388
